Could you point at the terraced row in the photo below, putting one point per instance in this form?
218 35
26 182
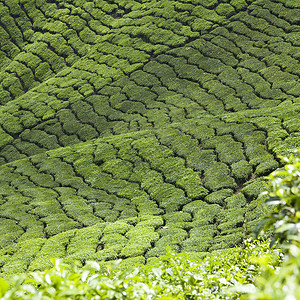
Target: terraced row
46 37
127 126
197 181
113 88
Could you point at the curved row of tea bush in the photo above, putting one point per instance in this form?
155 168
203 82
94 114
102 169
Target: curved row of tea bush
83 70
199 188
130 126
254 271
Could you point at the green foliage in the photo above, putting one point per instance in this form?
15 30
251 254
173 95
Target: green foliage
173 276
241 170
281 282
217 177
277 283
284 198
149 123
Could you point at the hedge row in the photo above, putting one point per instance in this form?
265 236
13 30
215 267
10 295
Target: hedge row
174 186
127 127
85 70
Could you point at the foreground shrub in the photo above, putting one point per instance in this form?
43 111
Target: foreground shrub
282 282
278 283
284 197
174 276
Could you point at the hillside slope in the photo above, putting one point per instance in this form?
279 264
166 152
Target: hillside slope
127 126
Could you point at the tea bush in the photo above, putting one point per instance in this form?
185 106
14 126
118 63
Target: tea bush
220 275
253 271
155 119
284 197
282 282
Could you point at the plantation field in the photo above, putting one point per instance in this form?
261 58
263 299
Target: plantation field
129 126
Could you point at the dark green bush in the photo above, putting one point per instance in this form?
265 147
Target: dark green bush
241 170
254 188
217 177
218 197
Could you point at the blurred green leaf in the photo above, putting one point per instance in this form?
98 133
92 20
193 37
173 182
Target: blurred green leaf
4 286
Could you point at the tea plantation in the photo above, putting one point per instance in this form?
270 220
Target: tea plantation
127 126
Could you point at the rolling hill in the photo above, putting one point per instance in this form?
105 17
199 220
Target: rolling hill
128 126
